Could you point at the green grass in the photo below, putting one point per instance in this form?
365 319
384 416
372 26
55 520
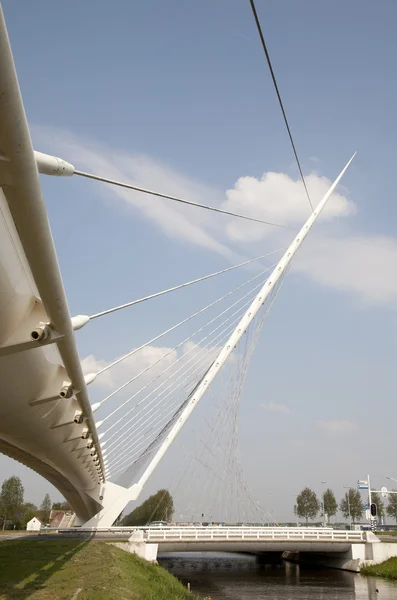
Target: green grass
58 569
387 569
393 533
16 531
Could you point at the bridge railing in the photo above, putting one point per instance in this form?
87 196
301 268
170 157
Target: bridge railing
249 534
220 533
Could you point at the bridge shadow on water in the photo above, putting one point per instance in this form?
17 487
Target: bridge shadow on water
26 565
243 577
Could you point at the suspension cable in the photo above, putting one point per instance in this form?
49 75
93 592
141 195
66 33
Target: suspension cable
125 424
124 385
128 186
125 356
182 285
258 25
165 380
192 369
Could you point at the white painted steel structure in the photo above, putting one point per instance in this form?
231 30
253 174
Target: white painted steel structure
45 413
234 539
237 532
165 534
110 512
256 540
42 390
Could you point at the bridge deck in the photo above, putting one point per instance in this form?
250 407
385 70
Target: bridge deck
250 534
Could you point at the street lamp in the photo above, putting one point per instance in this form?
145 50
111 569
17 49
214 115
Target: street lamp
323 507
297 522
347 487
392 478
269 514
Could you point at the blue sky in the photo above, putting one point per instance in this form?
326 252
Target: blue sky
177 95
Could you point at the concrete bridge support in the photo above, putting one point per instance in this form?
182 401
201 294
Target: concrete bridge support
372 552
269 558
137 545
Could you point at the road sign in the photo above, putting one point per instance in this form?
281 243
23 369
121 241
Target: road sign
384 492
366 507
362 484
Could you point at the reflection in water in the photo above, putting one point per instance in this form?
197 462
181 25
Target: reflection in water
239 577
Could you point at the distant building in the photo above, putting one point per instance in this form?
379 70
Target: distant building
33 525
56 517
61 519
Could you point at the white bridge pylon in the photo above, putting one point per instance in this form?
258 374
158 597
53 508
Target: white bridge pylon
46 419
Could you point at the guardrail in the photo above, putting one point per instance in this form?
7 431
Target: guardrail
219 533
249 534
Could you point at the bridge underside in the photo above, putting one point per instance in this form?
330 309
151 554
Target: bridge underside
37 424
82 503
348 555
254 547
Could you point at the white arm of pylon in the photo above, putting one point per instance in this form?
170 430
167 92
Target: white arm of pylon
235 337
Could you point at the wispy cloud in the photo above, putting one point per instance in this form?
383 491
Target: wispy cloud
278 198
273 407
158 359
335 427
364 266
275 197
192 226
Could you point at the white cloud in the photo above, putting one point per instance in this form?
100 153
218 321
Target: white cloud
131 366
362 265
90 364
335 427
189 224
157 364
365 266
278 198
276 408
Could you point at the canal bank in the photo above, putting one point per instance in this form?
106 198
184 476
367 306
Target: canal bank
62 569
241 577
387 569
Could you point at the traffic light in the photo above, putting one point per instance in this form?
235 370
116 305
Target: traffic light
374 510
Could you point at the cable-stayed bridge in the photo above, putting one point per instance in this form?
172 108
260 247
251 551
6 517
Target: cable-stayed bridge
101 454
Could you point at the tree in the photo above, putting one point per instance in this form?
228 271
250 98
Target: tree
159 507
330 503
28 511
11 499
375 499
45 508
352 498
392 506
62 506
307 505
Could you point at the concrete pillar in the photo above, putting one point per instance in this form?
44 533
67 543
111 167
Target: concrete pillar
269 558
137 545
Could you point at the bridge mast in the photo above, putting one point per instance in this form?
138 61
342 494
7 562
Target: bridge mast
110 513
235 337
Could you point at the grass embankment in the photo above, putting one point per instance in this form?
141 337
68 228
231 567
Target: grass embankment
81 570
387 569
11 532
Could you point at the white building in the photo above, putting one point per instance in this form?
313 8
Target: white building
33 525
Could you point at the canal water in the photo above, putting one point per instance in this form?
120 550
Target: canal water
239 577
